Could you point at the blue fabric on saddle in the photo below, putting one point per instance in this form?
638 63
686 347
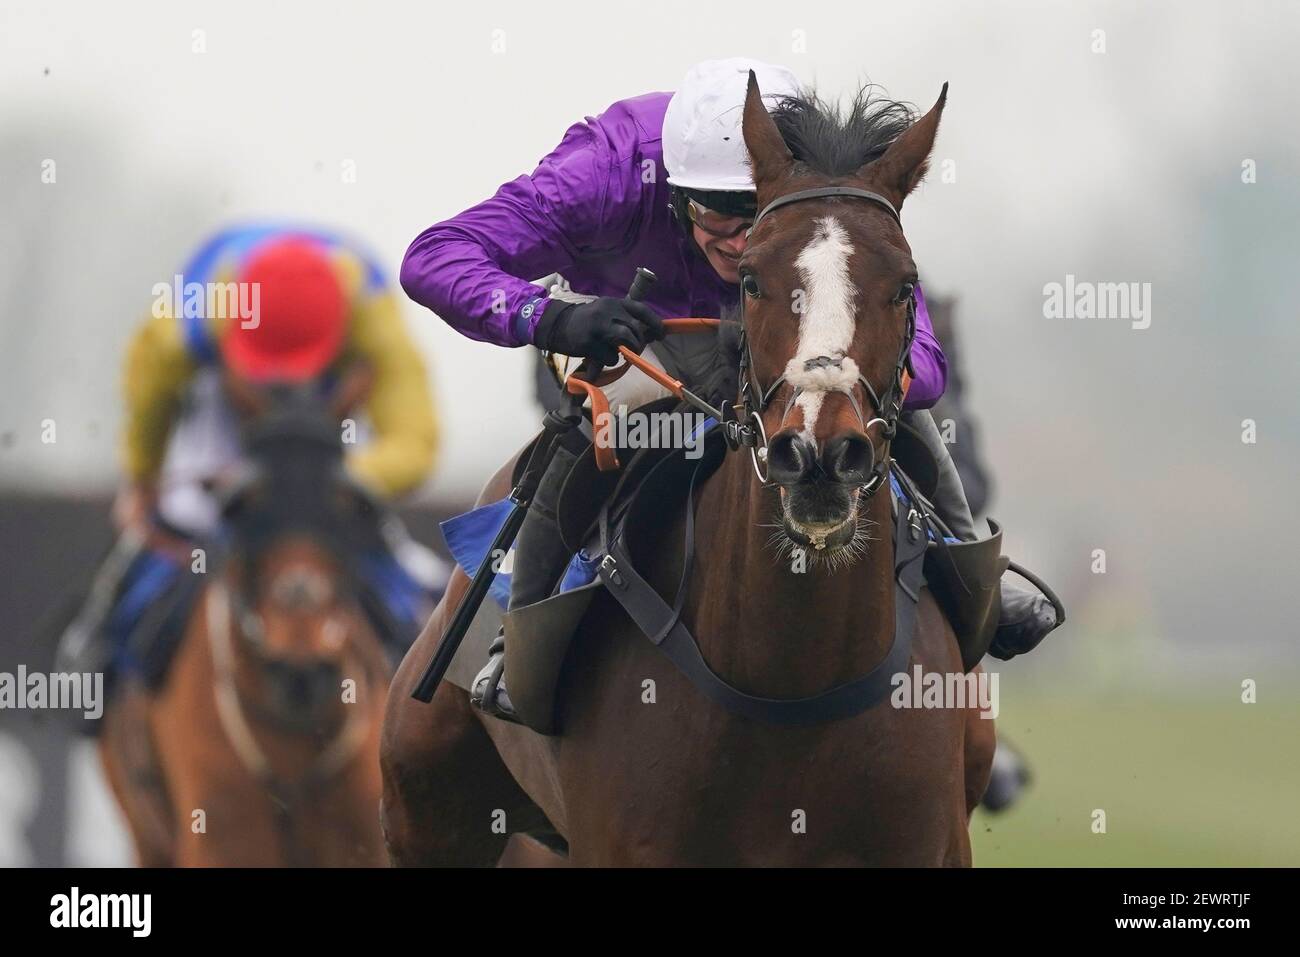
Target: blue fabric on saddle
581 571
403 597
150 577
470 535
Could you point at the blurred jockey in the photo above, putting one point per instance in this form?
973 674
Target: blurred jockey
662 181
293 306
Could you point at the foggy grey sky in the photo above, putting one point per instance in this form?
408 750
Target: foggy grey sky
1123 166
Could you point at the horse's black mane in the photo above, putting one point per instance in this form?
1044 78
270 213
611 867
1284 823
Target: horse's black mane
835 141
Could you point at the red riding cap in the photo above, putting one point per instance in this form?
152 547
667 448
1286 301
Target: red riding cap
301 318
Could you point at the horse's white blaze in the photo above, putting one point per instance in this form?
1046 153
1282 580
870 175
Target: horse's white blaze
827 324
810 404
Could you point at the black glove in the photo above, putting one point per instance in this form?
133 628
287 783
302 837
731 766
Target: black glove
598 328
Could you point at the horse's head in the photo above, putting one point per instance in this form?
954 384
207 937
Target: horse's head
295 621
296 525
827 285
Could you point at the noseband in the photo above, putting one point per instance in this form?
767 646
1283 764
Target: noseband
747 427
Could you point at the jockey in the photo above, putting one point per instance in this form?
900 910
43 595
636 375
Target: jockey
663 181
294 306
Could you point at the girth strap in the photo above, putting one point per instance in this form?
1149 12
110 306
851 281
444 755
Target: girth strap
662 624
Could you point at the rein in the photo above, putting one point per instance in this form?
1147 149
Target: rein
576 384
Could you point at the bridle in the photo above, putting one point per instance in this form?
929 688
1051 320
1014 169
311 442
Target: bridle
330 760
744 425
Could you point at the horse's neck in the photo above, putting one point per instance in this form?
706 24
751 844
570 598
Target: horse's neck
763 625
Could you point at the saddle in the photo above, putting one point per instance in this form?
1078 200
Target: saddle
604 516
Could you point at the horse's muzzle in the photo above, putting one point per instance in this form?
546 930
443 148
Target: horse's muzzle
819 489
846 459
302 694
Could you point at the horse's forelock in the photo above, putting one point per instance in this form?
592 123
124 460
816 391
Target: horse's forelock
837 141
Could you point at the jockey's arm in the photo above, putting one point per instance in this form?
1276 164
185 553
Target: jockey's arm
157 370
928 362
400 405
467 268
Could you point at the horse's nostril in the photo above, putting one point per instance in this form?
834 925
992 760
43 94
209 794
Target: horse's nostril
789 458
848 459
325 681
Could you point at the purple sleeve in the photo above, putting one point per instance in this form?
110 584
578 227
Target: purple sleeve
928 361
467 268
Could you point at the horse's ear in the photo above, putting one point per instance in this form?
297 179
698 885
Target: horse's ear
769 157
905 162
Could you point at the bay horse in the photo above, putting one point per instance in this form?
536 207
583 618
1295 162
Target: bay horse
260 747
672 778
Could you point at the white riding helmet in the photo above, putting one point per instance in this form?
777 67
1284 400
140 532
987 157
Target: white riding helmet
704 148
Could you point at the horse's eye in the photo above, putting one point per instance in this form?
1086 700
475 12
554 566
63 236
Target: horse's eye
905 292
750 285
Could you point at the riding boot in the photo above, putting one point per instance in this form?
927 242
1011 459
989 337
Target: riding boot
540 560
1027 617
949 495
